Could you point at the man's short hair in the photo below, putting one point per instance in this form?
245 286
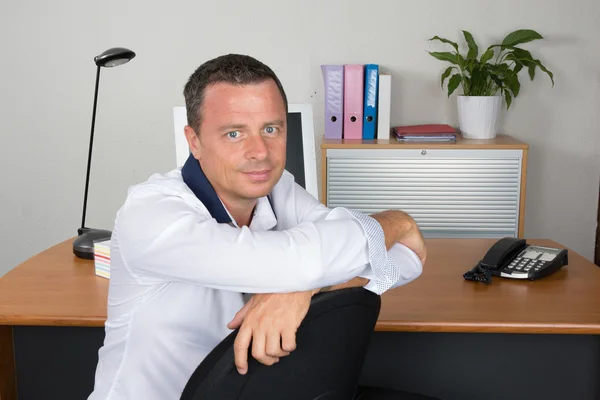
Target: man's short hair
235 69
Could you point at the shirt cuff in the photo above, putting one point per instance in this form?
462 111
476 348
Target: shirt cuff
385 272
410 264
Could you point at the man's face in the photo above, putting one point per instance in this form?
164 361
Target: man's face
241 145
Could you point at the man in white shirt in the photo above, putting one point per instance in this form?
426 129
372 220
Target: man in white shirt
189 244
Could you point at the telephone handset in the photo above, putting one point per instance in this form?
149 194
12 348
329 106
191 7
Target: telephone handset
513 258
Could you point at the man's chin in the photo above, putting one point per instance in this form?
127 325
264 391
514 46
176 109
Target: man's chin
255 190
262 186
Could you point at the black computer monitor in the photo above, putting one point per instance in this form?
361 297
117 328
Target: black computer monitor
301 155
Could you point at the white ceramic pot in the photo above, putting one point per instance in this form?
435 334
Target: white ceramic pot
478 116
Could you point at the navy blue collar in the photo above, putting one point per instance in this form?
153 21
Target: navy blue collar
194 177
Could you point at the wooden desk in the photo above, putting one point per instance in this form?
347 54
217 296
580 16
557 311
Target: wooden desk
53 288
566 302
56 289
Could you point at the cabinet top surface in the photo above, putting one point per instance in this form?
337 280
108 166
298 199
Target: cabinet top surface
501 141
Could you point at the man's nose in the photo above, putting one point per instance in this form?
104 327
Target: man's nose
256 148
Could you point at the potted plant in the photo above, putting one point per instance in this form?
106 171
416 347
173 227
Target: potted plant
487 79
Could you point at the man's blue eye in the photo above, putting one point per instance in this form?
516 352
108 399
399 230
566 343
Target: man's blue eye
270 129
233 134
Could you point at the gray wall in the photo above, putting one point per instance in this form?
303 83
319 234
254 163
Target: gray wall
47 81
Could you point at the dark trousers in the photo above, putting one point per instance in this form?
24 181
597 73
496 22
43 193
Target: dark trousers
373 393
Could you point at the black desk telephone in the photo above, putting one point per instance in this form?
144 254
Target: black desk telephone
514 258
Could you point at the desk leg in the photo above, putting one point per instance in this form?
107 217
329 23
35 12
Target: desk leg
8 382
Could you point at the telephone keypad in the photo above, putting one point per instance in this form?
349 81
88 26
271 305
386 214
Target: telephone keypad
526 265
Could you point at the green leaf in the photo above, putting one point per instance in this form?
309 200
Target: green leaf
519 64
508 98
531 69
497 81
524 60
518 67
450 42
473 49
503 69
453 83
514 85
520 36
462 63
550 74
522 54
445 56
446 74
487 56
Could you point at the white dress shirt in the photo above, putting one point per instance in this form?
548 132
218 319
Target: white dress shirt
177 275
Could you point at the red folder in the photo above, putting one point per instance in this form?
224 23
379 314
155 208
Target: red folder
424 129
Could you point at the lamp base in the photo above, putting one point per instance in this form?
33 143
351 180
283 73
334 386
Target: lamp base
83 246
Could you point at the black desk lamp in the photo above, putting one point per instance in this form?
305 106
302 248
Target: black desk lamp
83 246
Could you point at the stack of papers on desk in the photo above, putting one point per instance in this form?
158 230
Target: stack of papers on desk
102 258
425 133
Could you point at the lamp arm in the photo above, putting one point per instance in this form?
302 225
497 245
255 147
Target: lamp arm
89 163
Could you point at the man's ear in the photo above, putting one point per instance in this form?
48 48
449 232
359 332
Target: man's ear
193 141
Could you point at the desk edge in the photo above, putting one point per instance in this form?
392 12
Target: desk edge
381 326
24 320
491 327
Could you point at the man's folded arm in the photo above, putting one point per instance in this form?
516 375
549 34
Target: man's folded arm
398 264
164 238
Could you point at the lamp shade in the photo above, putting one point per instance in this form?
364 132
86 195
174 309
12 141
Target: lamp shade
114 57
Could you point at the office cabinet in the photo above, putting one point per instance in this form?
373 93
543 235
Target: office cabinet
471 188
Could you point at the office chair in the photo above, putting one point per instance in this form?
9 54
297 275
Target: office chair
331 344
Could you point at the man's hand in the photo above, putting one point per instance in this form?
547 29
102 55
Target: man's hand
413 239
399 227
270 322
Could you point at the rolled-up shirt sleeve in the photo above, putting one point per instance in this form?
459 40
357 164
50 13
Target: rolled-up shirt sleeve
388 268
163 238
